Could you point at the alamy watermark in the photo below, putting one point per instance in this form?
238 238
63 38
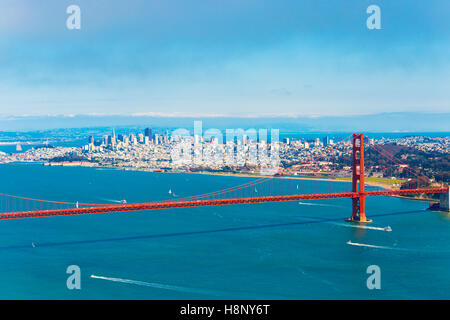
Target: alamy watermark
374 280
74 280
232 148
374 20
73 22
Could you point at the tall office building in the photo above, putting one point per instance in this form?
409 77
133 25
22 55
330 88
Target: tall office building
105 140
326 141
148 133
110 141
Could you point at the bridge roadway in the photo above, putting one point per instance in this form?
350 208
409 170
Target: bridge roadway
212 202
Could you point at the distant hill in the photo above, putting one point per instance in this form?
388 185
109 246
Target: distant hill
383 122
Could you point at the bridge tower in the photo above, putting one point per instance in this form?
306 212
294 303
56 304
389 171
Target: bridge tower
359 202
444 201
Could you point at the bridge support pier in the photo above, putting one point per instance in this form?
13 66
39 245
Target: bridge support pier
444 204
358 202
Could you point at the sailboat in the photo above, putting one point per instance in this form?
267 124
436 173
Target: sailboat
170 191
18 147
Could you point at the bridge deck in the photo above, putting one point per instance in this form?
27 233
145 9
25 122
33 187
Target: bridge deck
212 202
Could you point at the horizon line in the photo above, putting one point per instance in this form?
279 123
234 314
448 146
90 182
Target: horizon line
206 115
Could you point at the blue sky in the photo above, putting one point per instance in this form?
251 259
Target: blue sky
173 57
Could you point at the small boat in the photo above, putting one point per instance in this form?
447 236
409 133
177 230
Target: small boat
123 201
33 245
388 228
170 191
256 190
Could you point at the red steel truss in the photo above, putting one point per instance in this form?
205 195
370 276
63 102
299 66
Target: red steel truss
216 202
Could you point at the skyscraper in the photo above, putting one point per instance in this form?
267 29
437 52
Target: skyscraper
105 140
148 133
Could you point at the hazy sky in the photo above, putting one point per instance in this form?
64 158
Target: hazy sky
306 57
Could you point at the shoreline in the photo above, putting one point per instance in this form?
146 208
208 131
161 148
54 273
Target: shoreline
233 174
370 183
224 174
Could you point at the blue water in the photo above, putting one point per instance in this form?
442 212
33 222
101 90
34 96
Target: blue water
259 251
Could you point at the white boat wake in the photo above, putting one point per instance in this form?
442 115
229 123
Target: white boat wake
319 204
387 229
367 245
111 200
160 285
373 246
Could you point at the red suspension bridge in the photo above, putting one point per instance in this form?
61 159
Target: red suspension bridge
15 207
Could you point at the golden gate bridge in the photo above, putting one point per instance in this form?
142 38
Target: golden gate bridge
16 207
